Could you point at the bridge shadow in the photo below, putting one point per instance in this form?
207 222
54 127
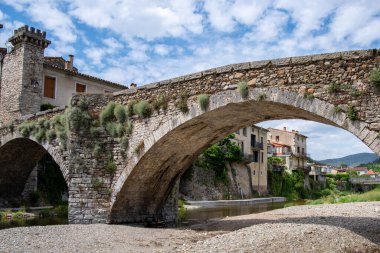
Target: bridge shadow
366 227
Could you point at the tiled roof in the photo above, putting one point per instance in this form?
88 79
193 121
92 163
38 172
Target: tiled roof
57 62
286 131
277 144
359 169
74 72
371 172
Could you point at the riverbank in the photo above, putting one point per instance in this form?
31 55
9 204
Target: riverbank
351 227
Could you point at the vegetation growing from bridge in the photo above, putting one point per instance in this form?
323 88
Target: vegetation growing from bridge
204 101
374 77
352 113
143 109
181 104
243 89
334 88
161 102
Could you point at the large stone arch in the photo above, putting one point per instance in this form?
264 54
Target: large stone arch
144 186
18 157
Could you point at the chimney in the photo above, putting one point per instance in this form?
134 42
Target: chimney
71 62
284 128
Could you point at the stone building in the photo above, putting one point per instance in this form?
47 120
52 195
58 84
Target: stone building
290 146
28 79
253 144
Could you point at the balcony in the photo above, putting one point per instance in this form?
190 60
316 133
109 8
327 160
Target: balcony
284 153
249 158
301 155
257 146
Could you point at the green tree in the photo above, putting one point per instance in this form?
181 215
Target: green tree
216 156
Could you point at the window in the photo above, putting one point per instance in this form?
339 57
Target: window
298 149
262 157
262 140
254 172
237 132
245 131
303 151
242 147
80 88
253 140
255 156
49 87
277 138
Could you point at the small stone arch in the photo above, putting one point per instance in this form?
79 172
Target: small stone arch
149 177
18 157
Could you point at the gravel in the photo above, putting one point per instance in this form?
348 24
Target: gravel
353 227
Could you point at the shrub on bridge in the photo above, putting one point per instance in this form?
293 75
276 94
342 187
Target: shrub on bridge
97 150
107 114
182 102
204 101
334 88
143 109
352 113
374 77
243 89
161 101
26 128
120 113
130 106
78 119
111 166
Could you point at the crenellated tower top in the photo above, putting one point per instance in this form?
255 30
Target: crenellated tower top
30 35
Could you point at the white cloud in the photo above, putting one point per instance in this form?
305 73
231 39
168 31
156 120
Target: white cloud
225 15
47 12
162 49
95 54
143 19
269 28
8 27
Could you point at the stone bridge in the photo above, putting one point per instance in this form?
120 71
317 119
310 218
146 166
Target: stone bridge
120 177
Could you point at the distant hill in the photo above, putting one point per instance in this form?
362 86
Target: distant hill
351 160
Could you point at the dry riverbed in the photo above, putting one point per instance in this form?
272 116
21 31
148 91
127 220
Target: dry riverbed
353 227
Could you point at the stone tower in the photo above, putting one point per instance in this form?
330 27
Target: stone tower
22 74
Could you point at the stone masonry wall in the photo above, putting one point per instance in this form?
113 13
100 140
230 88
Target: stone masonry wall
22 74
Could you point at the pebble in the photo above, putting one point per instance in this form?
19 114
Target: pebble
319 228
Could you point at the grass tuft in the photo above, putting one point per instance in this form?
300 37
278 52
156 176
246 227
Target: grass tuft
204 101
243 89
143 109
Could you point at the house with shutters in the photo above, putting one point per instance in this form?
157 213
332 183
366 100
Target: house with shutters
29 79
62 79
252 141
290 146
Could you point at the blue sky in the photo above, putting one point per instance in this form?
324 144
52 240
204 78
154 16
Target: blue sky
144 41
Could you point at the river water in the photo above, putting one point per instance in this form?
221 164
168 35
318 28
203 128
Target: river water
192 216
203 214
